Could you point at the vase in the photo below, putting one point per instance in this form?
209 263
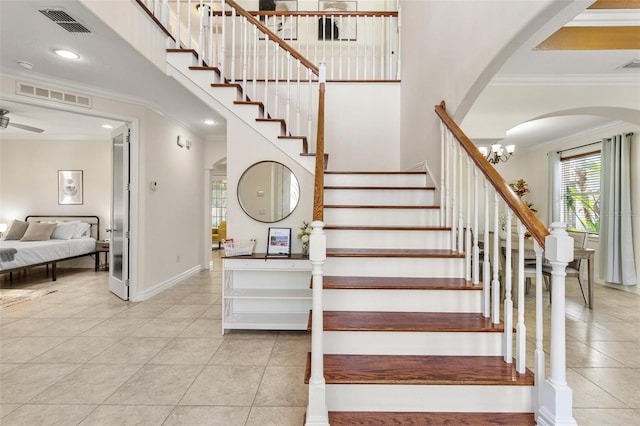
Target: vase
305 250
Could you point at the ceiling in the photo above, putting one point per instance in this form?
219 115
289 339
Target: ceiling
109 65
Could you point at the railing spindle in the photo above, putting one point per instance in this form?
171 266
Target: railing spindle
223 44
467 234
476 253
508 303
460 207
486 264
539 357
521 329
454 198
495 259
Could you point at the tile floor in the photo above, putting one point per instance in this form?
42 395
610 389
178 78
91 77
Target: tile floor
80 356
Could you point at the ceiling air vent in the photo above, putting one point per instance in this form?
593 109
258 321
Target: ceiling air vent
65 20
635 63
55 95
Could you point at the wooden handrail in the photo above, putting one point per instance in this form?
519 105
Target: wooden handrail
272 36
521 210
318 186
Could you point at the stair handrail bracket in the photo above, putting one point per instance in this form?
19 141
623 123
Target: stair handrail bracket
511 220
317 412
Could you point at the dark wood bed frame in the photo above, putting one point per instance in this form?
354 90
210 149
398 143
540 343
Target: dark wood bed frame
94 221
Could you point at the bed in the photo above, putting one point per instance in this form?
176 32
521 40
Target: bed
71 237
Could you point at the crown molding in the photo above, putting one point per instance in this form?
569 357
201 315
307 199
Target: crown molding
628 79
587 134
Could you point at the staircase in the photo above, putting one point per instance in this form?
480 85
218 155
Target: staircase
404 338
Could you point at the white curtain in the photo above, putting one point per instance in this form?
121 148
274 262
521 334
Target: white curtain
617 264
554 192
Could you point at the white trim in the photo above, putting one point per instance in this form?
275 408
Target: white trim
621 79
586 133
147 294
606 18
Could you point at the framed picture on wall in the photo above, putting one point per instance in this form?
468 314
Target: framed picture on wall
279 242
285 27
337 27
70 190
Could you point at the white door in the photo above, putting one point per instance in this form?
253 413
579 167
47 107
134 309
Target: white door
119 246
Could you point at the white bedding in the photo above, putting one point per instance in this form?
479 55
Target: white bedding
34 252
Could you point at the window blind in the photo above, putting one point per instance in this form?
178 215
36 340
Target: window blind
580 186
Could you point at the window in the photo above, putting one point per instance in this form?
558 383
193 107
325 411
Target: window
218 202
580 186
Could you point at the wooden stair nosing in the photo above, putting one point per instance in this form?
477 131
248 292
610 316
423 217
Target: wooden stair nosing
430 370
373 188
427 322
413 253
387 228
364 206
204 68
337 172
397 283
382 418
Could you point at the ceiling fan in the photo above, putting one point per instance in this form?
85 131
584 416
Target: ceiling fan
4 122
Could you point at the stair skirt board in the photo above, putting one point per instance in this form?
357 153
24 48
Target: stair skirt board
367 197
412 343
353 216
415 239
377 179
441 398
392 267
469 301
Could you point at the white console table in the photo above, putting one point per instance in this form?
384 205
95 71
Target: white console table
271 294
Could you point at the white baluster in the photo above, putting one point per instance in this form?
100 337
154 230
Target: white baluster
374 62
255 64
382 45
201 34
476 230
365 48
486 265
448 167
454 198
333 43
210 34
276 64
467 236
340 52
232 71
399 46
244 56
266 75
460 206
557 396
164 14
317 413
443 170
521 329
349 51
298 103
223 43
288 106
507 343
309 106
188 35
539 354
495 260
178 25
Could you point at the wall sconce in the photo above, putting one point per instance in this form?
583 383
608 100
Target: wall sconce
497 153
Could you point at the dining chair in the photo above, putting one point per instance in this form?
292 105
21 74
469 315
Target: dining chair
573 268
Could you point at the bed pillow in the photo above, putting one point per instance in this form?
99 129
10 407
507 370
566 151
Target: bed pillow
65 230
38 231
16 230
83 230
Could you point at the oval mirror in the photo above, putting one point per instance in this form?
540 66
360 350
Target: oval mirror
268 191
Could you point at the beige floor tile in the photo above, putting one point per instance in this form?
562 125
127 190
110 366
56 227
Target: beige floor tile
606 417
24 349
276 416
195 351
60 311
7 367
162 327
282 387
76 350
627 353
224 385
25 327
201 299
156 384
213 312
587 394
103 310
184 311
67 327
582 355
21 384
7 408
128 415
291 350
115 327
131 350
622 383
206 328
208 415
89 384
143 310
243 352
47 415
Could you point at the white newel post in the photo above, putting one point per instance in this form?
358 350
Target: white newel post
557 398
317 413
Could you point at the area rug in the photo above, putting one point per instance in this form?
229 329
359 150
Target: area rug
9 297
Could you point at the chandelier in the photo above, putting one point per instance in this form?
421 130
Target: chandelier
497 153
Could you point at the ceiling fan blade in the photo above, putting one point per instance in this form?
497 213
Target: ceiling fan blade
25 127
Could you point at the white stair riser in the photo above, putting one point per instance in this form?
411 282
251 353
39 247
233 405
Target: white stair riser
376 197
225 95
412 343
364 179
381 217
247 112
449 398
392 239
181 60
393 267
402 300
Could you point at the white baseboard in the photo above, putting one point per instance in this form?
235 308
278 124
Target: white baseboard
148 294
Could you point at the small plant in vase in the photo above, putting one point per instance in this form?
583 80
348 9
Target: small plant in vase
304 235
521 188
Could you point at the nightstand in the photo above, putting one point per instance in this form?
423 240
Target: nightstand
102 246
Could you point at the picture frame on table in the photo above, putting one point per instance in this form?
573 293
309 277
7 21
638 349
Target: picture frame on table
279 242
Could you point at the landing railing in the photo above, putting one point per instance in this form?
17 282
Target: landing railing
464 169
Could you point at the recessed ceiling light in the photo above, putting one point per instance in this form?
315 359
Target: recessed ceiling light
67 54
107 126
26 65
209 122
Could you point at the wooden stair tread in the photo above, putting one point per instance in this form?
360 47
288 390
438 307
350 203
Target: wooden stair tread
351 206
388 228
399 188
376 252
378 418
204 68
398 283
408 321
337 172
232 85
278 120
420 370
